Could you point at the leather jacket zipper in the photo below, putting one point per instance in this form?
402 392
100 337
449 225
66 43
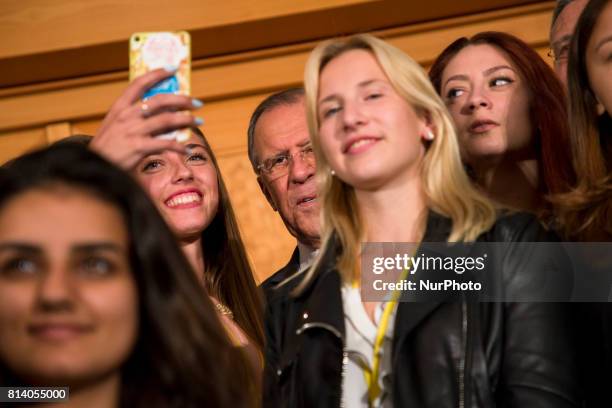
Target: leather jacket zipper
344 362
464 327
336 333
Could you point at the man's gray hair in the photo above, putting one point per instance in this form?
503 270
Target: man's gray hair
286 97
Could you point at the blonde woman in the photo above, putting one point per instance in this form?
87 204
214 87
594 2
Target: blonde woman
389 170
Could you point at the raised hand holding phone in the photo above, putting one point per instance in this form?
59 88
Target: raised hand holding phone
132 126
169 50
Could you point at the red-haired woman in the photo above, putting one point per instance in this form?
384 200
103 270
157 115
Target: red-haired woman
511 119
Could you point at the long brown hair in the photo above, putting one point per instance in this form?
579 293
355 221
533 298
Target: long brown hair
548 109
585 213
228 275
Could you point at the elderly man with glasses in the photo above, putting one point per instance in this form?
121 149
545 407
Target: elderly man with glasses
565 17
282 157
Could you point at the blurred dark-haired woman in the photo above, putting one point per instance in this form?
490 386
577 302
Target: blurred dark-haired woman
96 295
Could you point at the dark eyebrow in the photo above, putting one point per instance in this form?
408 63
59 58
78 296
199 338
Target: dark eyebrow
497 68
486 72
361 84
194 145
190 146
20 247
279 154
97 246
456 78
287 151
602 42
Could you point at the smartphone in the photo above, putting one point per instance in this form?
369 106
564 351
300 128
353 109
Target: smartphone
152 50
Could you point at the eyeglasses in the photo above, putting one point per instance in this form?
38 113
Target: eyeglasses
278 166
562 52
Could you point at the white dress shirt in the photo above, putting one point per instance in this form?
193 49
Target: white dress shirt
359 344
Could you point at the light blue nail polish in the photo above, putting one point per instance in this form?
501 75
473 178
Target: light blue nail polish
196 103
171 68
199 121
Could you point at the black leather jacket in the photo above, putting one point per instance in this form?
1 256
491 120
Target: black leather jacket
445 354
279 276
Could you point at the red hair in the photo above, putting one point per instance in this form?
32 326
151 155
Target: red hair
548 111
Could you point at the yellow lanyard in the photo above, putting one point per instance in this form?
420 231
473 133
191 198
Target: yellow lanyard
371 376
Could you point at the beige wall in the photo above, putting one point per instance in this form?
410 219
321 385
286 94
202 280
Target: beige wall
87 69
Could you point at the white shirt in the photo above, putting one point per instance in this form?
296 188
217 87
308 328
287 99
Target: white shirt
359 344
307 256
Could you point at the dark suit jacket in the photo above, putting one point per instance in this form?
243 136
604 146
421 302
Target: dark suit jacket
286 271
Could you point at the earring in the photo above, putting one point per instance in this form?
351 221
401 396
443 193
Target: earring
332 172
429 135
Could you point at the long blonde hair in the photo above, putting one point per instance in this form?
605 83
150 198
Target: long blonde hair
447 188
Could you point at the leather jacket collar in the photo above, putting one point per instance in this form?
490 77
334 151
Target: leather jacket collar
323 305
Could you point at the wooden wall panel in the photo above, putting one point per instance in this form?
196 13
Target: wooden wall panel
92 35
424 46
16 143
59 21
57 131
250 73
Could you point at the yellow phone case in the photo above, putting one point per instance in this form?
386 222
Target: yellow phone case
152 50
